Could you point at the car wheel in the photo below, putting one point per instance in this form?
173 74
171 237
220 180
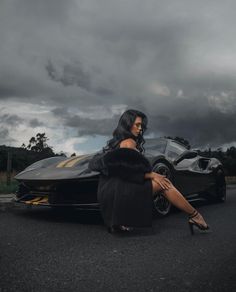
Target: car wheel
162 206
220 186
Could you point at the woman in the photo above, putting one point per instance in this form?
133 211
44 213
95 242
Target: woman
127 184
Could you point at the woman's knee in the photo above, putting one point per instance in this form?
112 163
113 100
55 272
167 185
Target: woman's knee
157 188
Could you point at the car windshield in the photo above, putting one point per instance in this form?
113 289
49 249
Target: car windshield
174 150
155 145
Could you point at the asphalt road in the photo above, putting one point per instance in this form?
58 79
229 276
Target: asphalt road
44 250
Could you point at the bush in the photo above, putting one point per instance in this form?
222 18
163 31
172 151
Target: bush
7 189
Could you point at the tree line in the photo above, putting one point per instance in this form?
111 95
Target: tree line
23 156
37 149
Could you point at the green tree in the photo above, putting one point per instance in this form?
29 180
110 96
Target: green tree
231 152
38 148
38 143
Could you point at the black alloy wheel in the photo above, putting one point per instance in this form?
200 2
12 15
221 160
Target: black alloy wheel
162 206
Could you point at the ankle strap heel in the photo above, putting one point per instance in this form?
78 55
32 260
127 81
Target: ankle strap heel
193 222
193 214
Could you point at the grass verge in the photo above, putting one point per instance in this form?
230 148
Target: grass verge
8 189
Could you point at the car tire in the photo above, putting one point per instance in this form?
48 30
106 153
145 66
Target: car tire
220 186
161 206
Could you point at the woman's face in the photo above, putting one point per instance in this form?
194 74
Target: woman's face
137 127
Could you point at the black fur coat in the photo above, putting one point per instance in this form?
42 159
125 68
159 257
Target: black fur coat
124 195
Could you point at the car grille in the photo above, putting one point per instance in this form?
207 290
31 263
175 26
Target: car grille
69 192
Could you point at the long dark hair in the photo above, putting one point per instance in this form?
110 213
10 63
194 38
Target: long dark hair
123 130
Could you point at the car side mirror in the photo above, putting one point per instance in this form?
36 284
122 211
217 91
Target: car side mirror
188 154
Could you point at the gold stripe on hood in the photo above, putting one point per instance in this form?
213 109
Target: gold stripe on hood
71 161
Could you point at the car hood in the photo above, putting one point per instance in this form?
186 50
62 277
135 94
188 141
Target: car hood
61 169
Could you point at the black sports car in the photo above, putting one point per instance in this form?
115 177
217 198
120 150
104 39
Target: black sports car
61 181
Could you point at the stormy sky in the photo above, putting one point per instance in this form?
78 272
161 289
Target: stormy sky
70 68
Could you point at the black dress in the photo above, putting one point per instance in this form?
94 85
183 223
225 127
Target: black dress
124 195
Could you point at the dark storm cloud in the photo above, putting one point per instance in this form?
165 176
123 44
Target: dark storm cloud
91 126
74 74
6 92
174 60
87 126
192 119
202 125
210 130
69 75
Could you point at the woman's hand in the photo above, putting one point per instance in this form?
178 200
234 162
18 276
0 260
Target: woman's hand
164 182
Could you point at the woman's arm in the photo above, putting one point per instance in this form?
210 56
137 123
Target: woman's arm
159 179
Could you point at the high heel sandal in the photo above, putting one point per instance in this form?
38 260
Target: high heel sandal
192 222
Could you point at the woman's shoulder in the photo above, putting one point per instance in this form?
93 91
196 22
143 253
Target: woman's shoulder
128 143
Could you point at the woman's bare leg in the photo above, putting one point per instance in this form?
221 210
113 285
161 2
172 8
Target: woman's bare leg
174 197
178 200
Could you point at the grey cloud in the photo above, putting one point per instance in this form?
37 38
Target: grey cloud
212 130
4 133
41 11
81 54
35 123
133 50
103 91
6 92
73 74
193 119
60 111
203 127
12 120
93 127
88 126
5 138
69 75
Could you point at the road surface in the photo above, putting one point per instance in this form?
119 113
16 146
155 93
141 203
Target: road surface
45 250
